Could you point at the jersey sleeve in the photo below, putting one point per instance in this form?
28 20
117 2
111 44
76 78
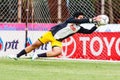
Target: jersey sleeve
87 31
79 21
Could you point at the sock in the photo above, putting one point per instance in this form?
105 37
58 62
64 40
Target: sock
42 55
21 53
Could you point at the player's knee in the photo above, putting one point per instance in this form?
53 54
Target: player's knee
35 45
58 52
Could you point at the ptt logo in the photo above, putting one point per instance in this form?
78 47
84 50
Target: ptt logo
8 45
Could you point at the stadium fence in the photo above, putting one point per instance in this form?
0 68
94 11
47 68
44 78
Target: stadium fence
56 11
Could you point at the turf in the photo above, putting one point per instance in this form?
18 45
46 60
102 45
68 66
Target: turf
25 69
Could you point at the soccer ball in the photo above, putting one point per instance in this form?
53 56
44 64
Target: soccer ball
104 19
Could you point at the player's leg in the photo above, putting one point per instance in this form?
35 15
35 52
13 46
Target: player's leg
29 48
26 50
42 40
53 53
56 50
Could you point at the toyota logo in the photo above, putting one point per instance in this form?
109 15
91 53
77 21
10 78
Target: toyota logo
66 44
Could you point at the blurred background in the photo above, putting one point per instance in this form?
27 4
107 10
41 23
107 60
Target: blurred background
56 11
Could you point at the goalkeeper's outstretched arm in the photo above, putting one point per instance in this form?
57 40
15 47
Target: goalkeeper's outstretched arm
88 31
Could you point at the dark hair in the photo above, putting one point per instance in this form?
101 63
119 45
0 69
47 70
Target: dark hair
76 14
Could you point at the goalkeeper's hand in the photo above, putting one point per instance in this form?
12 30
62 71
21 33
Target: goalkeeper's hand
96 19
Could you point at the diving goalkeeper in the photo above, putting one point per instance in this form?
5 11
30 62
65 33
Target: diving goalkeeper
58 33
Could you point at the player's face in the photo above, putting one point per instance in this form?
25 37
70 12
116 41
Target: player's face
80 17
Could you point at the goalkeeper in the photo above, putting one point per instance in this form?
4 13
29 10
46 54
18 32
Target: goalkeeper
58 33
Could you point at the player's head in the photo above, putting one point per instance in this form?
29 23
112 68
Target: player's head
78 15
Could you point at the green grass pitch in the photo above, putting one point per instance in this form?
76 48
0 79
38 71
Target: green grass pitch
25 69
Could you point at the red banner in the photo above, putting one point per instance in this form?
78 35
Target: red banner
97 46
